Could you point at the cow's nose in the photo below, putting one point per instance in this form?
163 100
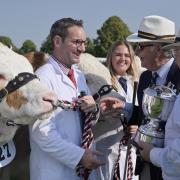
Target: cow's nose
50 97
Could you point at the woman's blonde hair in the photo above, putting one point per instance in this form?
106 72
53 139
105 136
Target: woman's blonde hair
132 70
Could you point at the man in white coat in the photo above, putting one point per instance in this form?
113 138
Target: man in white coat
56 142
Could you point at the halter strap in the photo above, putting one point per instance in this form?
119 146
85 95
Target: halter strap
20 80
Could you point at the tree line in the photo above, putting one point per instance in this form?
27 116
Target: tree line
112 29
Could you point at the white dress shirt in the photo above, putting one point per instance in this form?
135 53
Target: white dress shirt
163 72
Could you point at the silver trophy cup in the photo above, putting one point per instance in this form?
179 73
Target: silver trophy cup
157 105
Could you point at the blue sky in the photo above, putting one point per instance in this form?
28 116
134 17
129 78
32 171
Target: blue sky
32 19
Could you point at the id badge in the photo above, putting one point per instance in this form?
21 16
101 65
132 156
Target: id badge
7 153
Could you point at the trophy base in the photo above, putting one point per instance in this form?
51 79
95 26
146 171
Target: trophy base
155 138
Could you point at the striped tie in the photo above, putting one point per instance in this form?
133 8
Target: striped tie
123 83
153 79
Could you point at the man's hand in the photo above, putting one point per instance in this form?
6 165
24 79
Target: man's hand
110 103
89 159
145 152
131 129
88 104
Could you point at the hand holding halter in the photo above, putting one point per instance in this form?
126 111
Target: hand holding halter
66 105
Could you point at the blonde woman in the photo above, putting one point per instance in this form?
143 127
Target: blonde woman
120 62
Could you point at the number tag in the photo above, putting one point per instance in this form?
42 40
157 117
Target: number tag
7 153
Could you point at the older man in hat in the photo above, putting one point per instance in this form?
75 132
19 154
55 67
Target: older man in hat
168 158
154 33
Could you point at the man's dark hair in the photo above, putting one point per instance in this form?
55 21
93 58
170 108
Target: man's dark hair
60 27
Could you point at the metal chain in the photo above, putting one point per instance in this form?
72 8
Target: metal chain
66 105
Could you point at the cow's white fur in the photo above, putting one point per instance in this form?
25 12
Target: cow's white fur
96 73
11 64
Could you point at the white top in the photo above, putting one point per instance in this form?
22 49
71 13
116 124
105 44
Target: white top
168 158
55 142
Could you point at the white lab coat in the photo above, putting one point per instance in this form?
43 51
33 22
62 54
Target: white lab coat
55 142
108 133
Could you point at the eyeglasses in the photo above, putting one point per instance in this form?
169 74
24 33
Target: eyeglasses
141 47
79 42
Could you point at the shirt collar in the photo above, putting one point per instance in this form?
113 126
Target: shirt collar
124 76
63 67
164 69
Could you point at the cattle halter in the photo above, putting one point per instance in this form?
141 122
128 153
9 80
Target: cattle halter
66 105
20 80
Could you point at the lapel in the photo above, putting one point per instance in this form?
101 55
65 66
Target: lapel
171 72
144 82
174 76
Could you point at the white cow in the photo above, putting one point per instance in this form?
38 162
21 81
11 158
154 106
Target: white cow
24 105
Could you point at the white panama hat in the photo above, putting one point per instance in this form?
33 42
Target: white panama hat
176 43
154 29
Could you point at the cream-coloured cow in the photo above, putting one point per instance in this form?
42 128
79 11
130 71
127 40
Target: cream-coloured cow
25 104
